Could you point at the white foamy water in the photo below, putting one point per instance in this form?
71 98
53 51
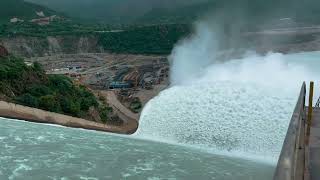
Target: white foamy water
240 107
31 151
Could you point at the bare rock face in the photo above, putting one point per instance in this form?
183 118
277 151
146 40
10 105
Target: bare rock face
3 51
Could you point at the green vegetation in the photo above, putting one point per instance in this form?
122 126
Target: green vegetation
55 28
104 112
157 39
182 14
123 11
21 9
186 11
136 105
151 39
146 12
30 86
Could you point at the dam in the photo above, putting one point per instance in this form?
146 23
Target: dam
229 123
299 158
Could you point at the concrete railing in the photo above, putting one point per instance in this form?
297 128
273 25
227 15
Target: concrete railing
291 162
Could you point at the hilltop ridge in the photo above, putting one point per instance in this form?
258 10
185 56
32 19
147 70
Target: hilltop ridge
22 10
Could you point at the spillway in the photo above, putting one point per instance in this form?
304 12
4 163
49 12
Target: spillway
32 151
227 122
240 108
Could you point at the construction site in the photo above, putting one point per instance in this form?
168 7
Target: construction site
133 79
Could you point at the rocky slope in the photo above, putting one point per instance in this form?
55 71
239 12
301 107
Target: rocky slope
37 46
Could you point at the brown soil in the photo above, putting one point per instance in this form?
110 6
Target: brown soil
10 110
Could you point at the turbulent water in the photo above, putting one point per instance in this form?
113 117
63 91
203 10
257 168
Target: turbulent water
240 108
39 152
228 122
225 124
234 107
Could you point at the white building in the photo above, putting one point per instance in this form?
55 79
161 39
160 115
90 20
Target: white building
40 13
15 20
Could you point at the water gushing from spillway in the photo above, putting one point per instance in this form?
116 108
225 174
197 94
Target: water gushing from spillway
240 107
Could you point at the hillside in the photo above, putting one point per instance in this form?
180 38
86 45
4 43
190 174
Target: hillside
30 40
259 12
30 86
156 39
183 14
20 9
117 12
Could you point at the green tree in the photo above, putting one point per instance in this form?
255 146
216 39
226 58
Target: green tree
3 72
38 67
39 90
56 93
28 100
104 112
136 105
49 103
70 107
87 102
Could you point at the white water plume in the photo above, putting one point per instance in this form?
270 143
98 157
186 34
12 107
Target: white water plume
240 107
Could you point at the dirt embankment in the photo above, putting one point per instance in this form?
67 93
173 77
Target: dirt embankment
10 110
130 119
116 104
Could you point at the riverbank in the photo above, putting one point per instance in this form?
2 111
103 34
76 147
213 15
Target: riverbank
14 111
